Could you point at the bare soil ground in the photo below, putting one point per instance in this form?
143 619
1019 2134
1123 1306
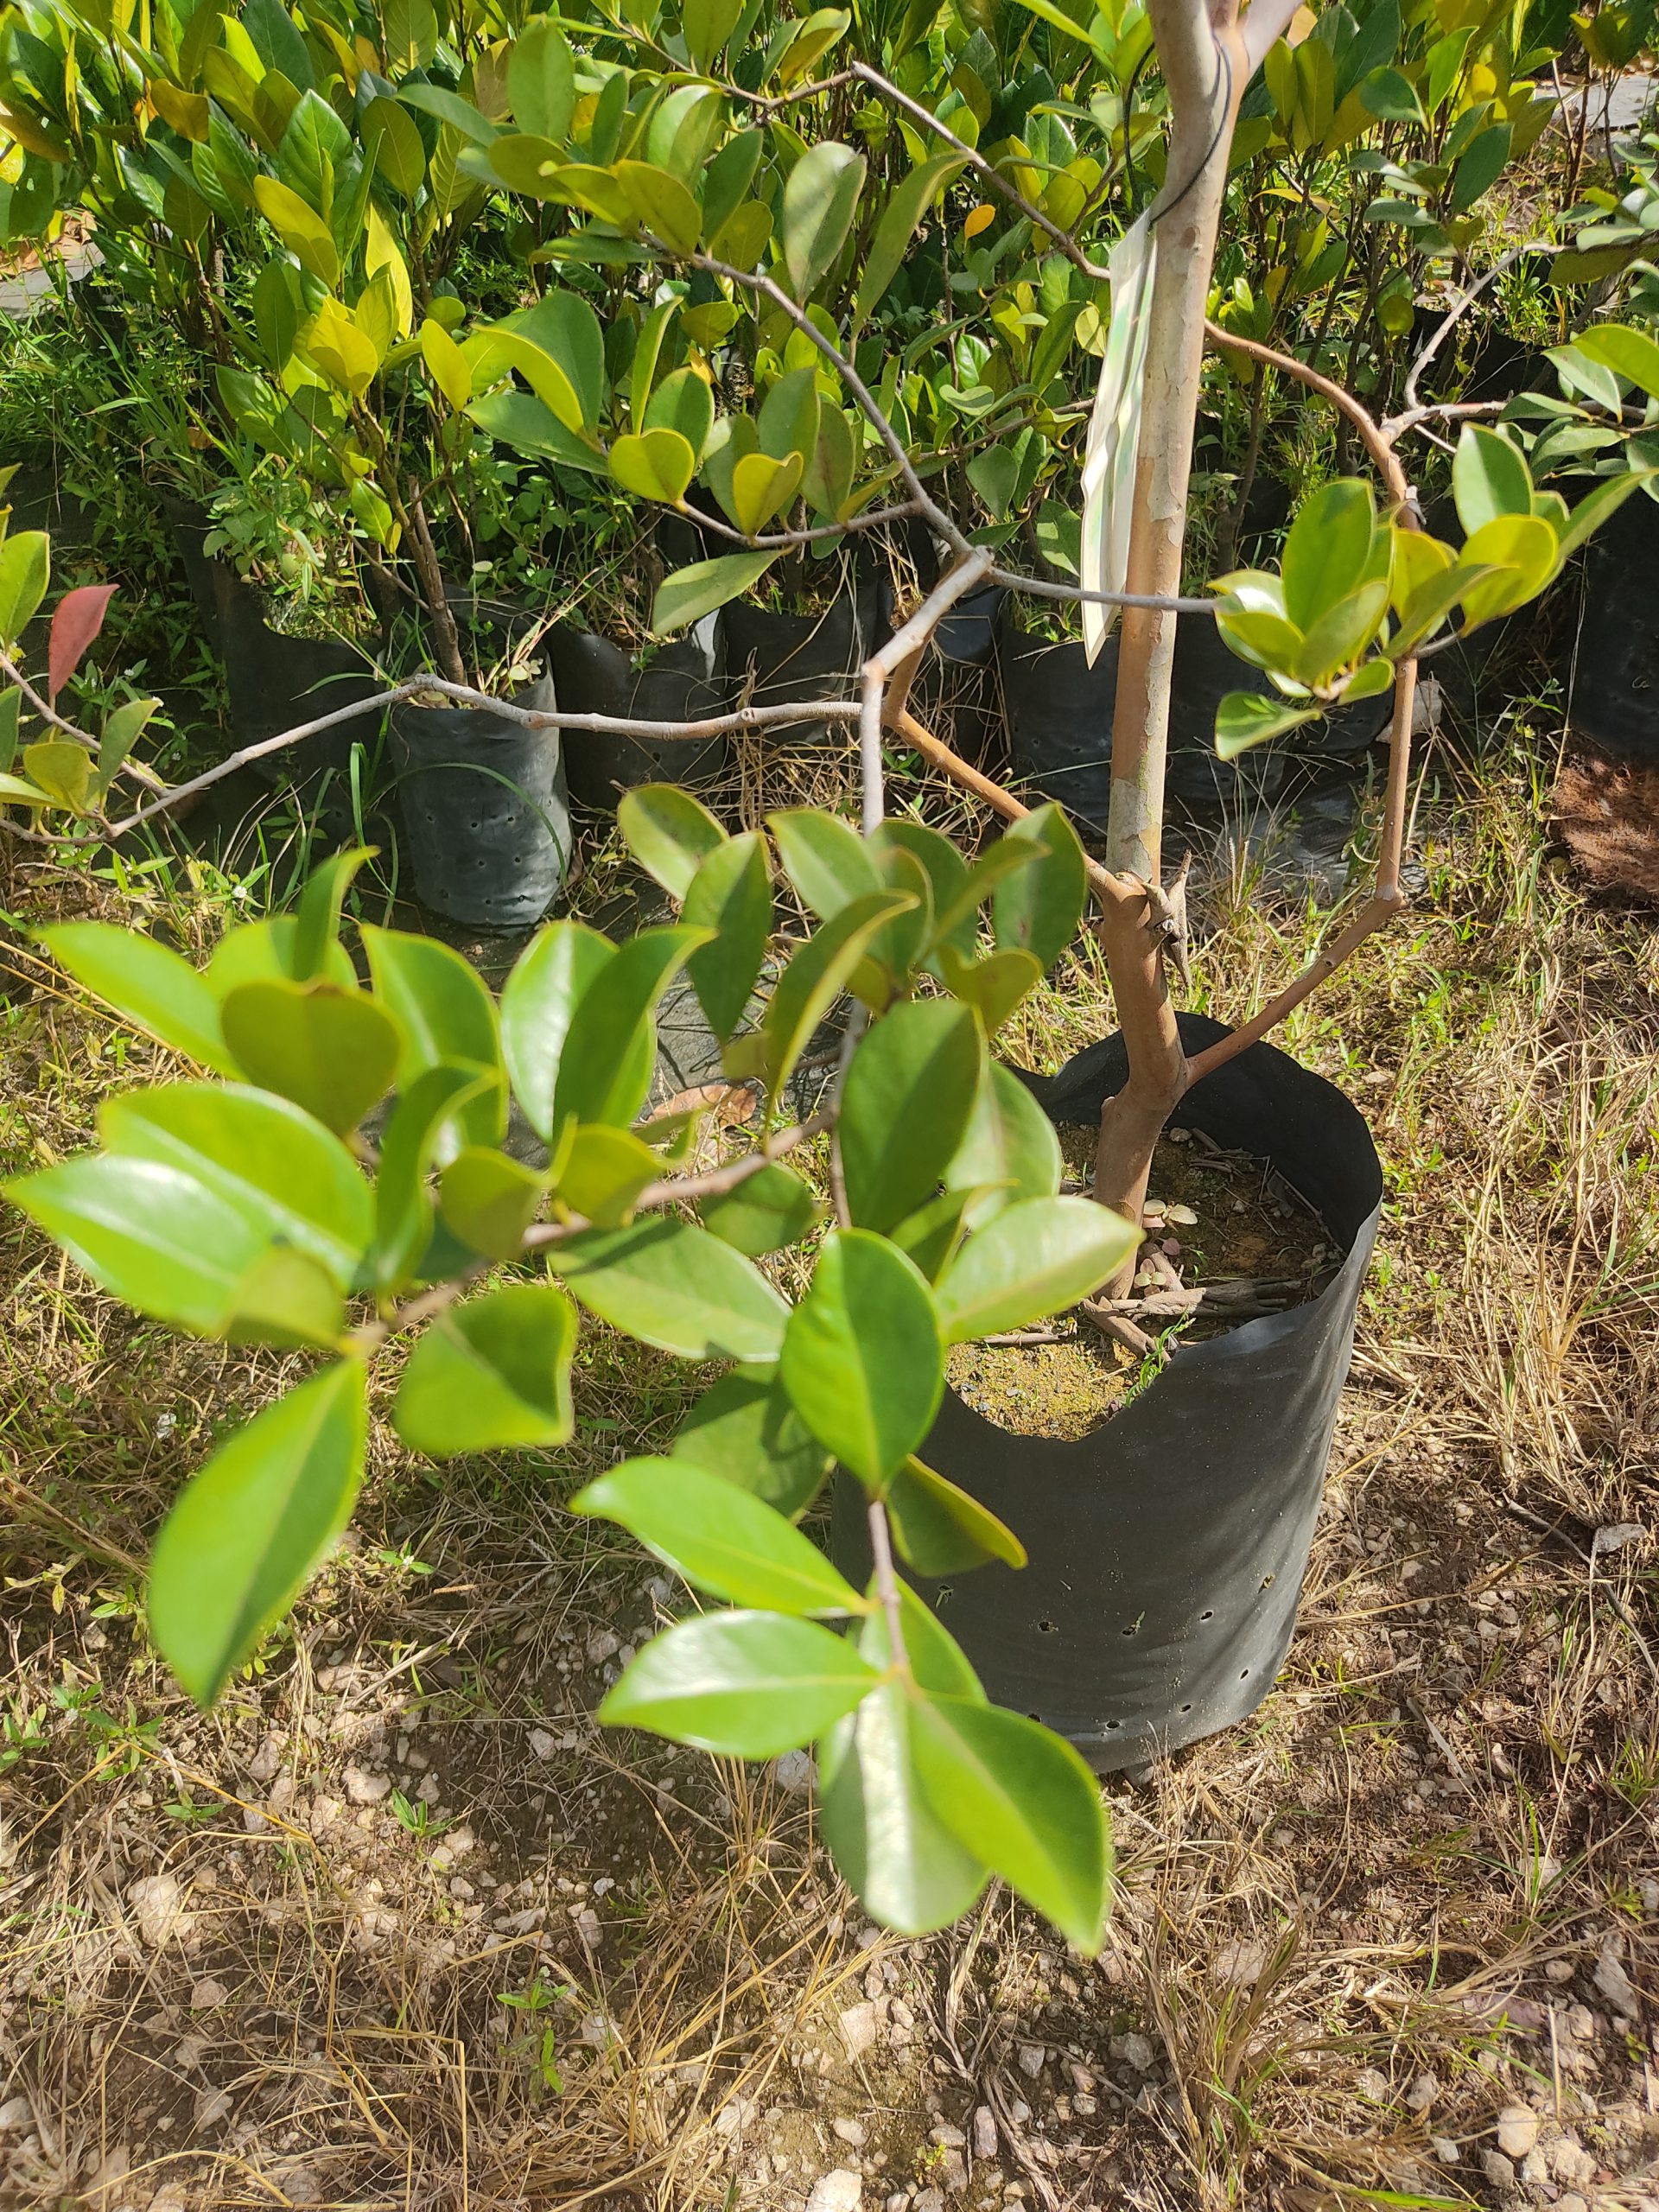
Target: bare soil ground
397 1927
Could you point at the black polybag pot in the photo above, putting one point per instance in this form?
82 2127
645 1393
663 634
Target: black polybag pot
1614 662
802 657
486 822
956 687
681 683
1167 1549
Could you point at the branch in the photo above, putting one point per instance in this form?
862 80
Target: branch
1262 25
714 1184
49 714
1461 306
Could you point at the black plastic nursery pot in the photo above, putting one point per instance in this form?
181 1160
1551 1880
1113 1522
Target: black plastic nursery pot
1612 665
486 821
956 687
802 657
1167 1550
680 683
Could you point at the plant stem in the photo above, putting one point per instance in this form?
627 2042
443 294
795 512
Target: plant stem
887 1584
444 635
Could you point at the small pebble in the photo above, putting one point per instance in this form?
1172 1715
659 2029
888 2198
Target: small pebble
1517 2130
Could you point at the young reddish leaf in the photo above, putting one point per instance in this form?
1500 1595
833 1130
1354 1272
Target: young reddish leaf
78 619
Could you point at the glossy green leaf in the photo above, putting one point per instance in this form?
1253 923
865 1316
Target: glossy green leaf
994 986
1632 354
147 984
1328 551
825 859
402 1224
657 465
446 1017
1009 1151
1037 909
862 1359
25 571
162 1241
940 1529
331 1052
62 769
262 1154
1489 478
1601 501
265 951
767 1210
815 978
661 203
1035 1258
690 593
1023 1801
747 1684
493 1375
449 107
252 1526
317 923
538 1003
669 833
730 896
932 1233
1247 718
673 1285
946 872
820 200
890 246
707 25
1521 550
761 488
488 1200
721 1538
906 1105
746 1431
603 1172
604 1071
541 79
910 1873
683 403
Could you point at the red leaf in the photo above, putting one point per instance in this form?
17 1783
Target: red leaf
77 622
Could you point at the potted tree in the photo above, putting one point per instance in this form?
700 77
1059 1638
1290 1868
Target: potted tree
922 1206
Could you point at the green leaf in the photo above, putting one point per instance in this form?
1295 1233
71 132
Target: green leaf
945 869
762 487
445 364
719 1537
604 1171
62 769
683 404
402 1209
1035 1258
492 1375
264 951
1328 551
673 1285
395 143
940 1529
767 1210
449 107
825 859
746 1684
730 896
1521 550
261 1154
538 1003
488 1200
541 79
932 1233
605 1069
707 25
746 1431
1009 1152
862 1359
1602 500
662 203
1342 633
1489 478
906 1105
1037 909
300 229
25 571
669 833
316 923
994 987
331 1052
1247 718
1481 166
819 201
815 978
1024 1801
890 246
690 593
446 1017
120 733
146 983
251 1528
160 1240
910 1873
1632 354
657 465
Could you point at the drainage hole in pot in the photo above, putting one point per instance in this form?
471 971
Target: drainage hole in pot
1243 1674
1207 1615
1048 1628
1111 1725
1186 1708
1267 1582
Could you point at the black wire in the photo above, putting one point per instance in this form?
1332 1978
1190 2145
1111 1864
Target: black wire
1222 57
1128 108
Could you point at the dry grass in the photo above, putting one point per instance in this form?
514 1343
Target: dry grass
557 1969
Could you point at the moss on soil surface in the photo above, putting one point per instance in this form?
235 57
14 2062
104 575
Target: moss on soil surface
1247 1223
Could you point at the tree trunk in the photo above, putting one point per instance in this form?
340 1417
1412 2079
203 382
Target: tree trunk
1206 68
